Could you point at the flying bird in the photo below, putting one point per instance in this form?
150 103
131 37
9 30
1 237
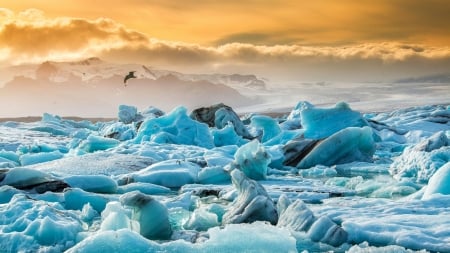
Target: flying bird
129 76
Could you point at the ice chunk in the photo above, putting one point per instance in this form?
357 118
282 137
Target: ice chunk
175 127
9 155
213 175
365 248
439 182
152 216
93 183
267 125
29 159
252 159
348 145
171 173
326 231
297 217
201 220
146 188
227 136
322 123
6 193
123 240
252 204
119 131
295 150
99 163
219 116
75 199
24 177
436 141
95 143
127 114
37 226
115 217
419 165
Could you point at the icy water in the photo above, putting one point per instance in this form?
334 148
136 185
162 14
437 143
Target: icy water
316 180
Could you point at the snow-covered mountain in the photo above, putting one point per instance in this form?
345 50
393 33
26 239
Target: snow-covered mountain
97 88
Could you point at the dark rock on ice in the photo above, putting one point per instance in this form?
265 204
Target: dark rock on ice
51 186
381 126
252 204
348 145
295 150
152 216
218 116
29 179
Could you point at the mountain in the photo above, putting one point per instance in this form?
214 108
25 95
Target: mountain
94 87
438 78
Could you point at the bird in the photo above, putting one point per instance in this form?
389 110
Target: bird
129 76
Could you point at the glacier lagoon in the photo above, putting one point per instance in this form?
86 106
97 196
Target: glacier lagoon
316 180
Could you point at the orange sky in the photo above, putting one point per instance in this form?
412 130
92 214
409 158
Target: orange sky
213 34
212 22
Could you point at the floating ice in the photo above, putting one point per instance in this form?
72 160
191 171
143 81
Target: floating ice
267 125
146 188
93 183
37 226
29 159
25 177
227 136
151 215
175 127
439 183
321 123
252 204
119 131
341 185
95 143
123 240
128 114
298 217
75 199
253 160
419 165
171 173
220 116
202 220
348 145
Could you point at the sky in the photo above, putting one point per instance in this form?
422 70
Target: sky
321 40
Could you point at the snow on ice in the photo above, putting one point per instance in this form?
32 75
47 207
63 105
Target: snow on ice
318 179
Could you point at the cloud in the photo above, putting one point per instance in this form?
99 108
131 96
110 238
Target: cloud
29 36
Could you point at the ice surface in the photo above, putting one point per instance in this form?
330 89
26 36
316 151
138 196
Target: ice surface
330 180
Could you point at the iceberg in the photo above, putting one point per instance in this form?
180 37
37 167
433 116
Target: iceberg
252 159
348 145
321 123
176 127
252 204
152 216
439 183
